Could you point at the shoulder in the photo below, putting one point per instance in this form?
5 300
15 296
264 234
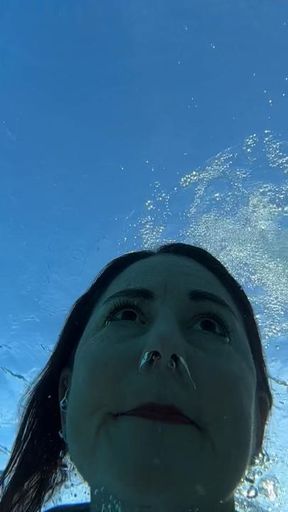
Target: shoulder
75 507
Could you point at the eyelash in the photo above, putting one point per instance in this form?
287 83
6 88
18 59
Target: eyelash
121 303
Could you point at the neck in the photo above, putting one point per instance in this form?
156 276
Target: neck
103 501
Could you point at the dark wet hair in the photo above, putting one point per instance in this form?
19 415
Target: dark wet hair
35 472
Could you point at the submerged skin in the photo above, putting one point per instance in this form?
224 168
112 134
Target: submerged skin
152 466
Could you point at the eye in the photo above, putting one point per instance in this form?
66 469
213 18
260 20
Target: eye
121 304
208 320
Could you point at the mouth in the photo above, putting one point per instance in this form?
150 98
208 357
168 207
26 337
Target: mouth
159 412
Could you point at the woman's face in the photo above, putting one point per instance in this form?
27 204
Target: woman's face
146 463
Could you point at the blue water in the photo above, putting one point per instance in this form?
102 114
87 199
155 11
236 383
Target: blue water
128 124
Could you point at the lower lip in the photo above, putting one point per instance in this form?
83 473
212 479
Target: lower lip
178 420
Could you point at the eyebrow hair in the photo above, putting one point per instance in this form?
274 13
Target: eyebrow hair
194 295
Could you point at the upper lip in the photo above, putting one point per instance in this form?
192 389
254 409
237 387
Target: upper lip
162 409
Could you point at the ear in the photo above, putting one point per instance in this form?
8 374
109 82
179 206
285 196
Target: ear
261 416
64 384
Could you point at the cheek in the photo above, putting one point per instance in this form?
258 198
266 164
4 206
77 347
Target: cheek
228 400
96 377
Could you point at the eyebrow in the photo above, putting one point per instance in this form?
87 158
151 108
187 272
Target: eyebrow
194 295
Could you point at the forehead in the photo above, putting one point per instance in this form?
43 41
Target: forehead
169 275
